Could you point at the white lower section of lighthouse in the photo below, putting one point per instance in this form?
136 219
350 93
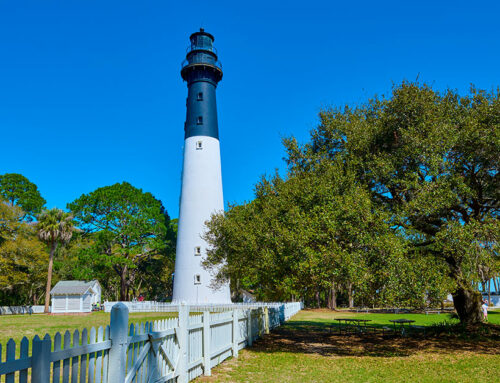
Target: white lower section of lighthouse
201 196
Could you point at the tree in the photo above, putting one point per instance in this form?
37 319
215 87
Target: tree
10 220
393 202
19 191
127 226
312 235
22 256
431 160
55 227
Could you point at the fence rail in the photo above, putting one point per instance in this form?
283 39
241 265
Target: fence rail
176 349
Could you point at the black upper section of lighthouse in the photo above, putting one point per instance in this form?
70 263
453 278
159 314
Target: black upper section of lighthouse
202 72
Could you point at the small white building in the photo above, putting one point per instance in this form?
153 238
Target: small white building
75 296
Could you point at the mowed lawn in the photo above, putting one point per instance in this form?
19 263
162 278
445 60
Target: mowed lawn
19 326
304 350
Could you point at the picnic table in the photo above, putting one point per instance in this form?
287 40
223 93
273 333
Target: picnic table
352 323
401 323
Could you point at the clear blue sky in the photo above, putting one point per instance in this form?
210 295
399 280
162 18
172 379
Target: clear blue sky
90 91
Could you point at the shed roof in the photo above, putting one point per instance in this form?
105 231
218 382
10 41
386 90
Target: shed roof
72 287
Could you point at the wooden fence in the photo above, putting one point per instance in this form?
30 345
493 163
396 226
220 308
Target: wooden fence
151 306
176 349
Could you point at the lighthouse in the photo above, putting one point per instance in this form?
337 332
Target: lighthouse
201 192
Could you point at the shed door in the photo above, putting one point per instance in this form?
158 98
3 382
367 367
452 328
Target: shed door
74 303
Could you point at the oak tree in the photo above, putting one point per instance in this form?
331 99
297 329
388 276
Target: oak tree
127 227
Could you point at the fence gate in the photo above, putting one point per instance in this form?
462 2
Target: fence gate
153 352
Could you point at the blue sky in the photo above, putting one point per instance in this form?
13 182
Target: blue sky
91 95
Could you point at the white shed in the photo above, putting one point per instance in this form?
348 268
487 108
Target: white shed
75 296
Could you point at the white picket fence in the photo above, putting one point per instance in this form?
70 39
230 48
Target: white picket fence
177 349
287 309
11 310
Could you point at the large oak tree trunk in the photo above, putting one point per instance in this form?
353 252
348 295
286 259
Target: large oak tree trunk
49 277
466 298
467 302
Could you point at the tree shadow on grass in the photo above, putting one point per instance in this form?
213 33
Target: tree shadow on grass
323 338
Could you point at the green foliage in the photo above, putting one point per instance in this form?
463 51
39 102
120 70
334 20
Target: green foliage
19 191
396 200
305 234
79 261
431 161
23 259
55 226
125 240
126 230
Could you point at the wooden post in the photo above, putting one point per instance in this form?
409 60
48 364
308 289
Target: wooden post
152 361
207 360
118 352
266 320
249 328
182 338
236 316
40 362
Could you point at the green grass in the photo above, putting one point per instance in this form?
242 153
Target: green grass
327 316
303 350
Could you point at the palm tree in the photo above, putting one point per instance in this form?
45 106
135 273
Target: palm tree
54 227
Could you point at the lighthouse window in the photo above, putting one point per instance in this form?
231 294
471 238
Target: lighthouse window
199 145
199 120
197 279
197 250
200 96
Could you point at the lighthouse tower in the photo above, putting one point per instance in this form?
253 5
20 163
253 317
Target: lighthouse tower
201 193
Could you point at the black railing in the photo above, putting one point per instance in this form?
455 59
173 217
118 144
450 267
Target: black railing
200 60
191 48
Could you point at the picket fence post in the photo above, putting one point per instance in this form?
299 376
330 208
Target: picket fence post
40 361
249 328
118 327
207 360
236 316
182 337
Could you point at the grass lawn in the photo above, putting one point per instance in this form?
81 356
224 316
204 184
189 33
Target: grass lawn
18 326
304 350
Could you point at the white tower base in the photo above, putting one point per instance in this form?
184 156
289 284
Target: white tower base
201 196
